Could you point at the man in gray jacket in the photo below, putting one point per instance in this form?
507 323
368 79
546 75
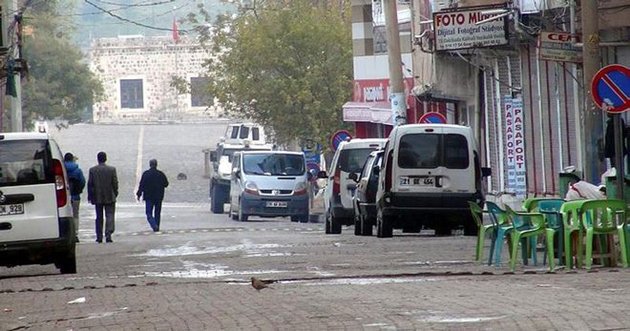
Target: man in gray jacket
102 193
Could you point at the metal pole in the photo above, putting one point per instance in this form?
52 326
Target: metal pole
397 90
619 166
15 102
591 63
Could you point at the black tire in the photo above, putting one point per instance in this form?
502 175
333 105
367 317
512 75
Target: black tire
295 219
68 264
304 218
366 227
443 230
216 200
335 225
470 227
242 217
384 227
357 225
328 227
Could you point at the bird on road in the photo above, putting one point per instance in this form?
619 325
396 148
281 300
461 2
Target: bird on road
258 284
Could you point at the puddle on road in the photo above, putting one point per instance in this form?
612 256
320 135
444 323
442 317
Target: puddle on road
452 319
205 270
359 281
246 247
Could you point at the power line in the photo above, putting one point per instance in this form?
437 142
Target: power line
110 13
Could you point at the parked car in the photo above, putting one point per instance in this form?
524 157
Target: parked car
429 173
365 195
35 212
349 158
269 184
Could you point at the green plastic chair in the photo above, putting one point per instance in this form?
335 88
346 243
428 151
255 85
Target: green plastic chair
530 205
571 223
604 217
525 226
477 214
550 208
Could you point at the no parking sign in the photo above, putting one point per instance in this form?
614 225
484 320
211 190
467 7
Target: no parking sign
432 118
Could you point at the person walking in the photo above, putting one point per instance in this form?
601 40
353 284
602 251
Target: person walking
77 184
151 187
102 193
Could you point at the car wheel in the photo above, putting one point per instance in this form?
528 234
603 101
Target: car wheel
335 225
357 225
242 217
294 219
443 230
384 228
366 227
304 218
470 227
68 264
216 201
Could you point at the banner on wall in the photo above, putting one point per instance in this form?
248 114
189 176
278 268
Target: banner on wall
515 146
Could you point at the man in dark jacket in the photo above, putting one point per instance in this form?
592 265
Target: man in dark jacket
102 193
77 183
152 185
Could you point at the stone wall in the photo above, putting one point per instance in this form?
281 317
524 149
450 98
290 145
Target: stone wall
154 61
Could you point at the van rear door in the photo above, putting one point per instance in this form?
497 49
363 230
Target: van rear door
28 203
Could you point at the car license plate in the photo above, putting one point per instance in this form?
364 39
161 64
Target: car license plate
424 181
13 209
277 204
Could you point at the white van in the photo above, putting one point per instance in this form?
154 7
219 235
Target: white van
349 158
269 184
429 173
35 212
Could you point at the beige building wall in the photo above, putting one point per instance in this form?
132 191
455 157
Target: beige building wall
154 60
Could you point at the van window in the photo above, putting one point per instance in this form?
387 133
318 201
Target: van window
455 151
24 162
273 164
234 133
352 160
432 150
255 134
244 132
419 150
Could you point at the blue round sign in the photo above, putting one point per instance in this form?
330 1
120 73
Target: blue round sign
432 118
338 137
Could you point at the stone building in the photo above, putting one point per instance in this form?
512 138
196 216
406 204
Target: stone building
137 71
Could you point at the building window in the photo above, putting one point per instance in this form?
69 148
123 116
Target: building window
380 39
131 94
199 96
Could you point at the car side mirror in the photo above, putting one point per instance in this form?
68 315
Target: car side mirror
354 177
486 172
376 170
213 156
322 174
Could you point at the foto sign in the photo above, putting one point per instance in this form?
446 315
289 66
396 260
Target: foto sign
611 88
559 46
462 28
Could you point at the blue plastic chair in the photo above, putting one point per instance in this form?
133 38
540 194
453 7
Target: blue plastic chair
526 229
554 226
500 218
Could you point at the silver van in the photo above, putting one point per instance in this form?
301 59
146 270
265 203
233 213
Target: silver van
269 184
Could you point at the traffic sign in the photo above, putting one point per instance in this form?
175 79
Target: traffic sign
611 88
435 118
338 137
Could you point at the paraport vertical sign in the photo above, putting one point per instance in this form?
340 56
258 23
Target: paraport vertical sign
515 146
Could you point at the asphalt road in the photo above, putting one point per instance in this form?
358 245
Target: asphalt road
195 273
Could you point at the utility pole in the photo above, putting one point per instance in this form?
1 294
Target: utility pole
592 114
397 96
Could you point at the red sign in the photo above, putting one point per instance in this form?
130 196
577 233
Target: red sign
432 118
611 88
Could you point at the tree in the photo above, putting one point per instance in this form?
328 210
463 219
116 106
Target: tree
59 84
286 65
